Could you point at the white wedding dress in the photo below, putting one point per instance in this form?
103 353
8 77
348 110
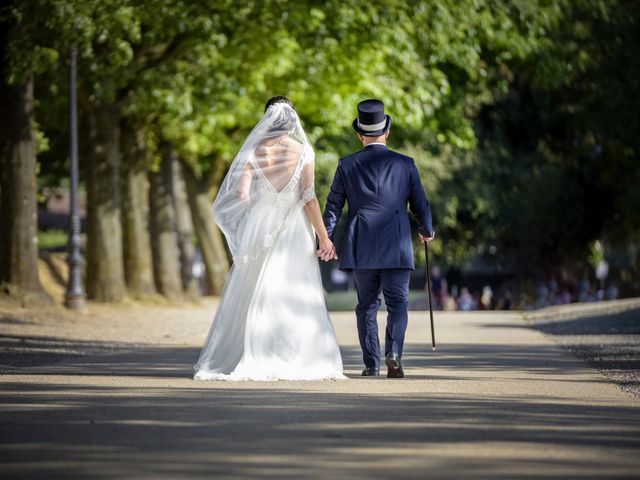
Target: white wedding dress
272 322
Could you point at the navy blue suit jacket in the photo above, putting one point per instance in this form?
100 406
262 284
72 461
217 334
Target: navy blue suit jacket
377 183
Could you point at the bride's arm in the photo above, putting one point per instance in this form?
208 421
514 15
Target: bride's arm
326 250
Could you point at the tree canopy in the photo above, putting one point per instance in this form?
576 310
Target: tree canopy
521 115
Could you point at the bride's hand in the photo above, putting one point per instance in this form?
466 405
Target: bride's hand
326 250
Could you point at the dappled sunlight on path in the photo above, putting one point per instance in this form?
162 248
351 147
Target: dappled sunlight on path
495 398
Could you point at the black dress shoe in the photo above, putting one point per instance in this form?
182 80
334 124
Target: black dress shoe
394 367
370 372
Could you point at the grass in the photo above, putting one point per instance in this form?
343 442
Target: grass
346 301
48 239
341 301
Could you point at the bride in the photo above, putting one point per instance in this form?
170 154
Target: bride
272 322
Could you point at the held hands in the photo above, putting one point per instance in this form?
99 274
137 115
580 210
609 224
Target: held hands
326 250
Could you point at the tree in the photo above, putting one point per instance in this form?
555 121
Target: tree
504 105
163 230
558 152
138 260
117 42
18 239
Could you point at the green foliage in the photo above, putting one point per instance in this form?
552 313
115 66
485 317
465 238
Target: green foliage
557 162
521 115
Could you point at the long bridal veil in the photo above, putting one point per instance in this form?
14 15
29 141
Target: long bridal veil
272 322
276 158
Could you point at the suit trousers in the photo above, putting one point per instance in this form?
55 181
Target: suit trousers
394 284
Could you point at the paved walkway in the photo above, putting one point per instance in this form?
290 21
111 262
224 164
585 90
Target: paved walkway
496 400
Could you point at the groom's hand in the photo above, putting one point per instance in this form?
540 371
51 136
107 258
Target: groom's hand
424 239
326 250
327 255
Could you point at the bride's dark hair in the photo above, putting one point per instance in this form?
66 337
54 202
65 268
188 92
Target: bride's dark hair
278 99
283 123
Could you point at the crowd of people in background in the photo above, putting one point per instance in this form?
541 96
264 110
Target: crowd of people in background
552 292
456 298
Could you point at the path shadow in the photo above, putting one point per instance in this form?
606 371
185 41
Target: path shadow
57 356
19 351
114 432
626 322
136 427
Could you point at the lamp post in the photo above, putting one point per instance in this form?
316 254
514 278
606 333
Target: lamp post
74 296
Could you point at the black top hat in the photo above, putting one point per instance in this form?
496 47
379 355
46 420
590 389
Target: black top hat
371 121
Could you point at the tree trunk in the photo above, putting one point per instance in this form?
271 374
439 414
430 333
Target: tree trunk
105 267
207 232
164 240
18 211
184 228
138 260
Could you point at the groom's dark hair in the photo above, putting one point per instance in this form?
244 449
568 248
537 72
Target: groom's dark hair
278 99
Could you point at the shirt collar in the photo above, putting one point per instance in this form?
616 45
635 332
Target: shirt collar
377 143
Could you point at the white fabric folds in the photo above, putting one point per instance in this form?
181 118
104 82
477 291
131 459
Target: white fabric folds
272 322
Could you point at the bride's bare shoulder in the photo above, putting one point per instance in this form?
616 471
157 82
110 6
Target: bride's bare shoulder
294 144
297 149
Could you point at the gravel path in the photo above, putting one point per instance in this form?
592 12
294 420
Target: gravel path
606 335
109 394
45 337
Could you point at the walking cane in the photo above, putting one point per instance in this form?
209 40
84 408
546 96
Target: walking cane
426 254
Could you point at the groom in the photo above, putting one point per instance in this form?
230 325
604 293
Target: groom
378 183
